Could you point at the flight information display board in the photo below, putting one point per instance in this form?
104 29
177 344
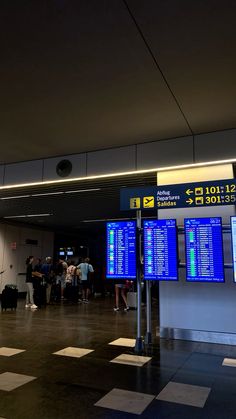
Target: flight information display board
233 235
204 249
160 250
121 250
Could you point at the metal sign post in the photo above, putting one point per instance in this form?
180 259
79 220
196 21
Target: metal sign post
139 343
148 336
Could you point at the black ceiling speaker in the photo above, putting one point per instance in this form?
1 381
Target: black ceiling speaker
64 168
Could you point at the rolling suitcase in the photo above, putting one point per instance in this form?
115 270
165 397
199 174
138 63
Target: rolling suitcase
71 293
132 299
9 297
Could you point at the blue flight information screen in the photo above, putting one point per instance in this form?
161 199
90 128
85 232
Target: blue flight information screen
121 250
204 249
233 236
160 250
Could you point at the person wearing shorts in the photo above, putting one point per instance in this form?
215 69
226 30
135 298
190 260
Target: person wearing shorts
85 269
122 289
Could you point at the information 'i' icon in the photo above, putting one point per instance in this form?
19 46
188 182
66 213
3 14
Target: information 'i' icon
135 203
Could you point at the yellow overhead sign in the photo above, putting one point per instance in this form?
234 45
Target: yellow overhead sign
148 202
134 203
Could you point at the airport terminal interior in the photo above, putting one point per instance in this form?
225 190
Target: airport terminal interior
117 133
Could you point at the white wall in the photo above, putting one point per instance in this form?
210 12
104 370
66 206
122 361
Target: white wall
211 146
165 153
16 257
198 306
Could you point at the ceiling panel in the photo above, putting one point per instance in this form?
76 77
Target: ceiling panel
76 76
194 44
71 206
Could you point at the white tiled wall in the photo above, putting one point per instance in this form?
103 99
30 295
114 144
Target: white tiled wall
216 145
114 160
8 256
165 153
23 172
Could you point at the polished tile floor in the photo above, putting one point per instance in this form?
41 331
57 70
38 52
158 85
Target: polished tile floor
77 361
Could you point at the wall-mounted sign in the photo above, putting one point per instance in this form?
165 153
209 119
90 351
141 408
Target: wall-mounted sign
210 193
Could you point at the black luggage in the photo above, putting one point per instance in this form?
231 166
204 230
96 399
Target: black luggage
71 293
40 294
56 292
9 297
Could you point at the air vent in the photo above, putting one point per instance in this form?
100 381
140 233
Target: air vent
64 168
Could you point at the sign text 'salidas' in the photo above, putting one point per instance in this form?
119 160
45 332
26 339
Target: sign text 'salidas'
164 198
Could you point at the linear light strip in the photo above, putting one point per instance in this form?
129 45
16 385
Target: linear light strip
46 194
28 215
106 219
84 190
16 197
115 219
49 193
114 175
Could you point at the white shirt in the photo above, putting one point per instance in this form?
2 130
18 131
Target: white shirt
85 268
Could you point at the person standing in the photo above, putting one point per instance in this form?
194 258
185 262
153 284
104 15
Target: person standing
85 269
61 269
123 289
37 283
29 282
48 273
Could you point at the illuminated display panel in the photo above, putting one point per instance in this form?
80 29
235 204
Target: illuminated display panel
62 251
121 250
70 251
233 236
160 250
204 249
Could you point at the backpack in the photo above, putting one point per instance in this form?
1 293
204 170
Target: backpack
70 273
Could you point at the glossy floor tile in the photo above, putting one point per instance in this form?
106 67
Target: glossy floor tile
125 401
130 343
10 381
229 362
10 351
184 394
73 352
134 360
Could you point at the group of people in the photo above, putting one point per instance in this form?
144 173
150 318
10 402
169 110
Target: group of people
62 275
